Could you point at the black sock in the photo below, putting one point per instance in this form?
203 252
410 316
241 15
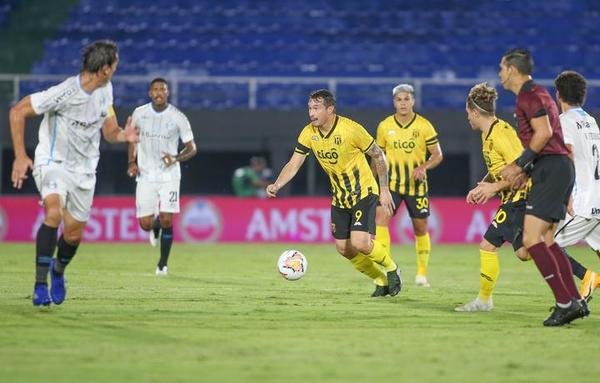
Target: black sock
578 269
65 254
166 240
45 244
156 226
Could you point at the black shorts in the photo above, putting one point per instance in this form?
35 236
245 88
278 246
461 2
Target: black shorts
361 217
507 225
552 179
417 206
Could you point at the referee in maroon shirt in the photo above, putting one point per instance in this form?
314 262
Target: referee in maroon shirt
552 174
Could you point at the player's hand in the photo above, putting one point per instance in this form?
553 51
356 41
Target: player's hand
133 169
510 172
168 159
471 195
21 165
420 172
131 133
520 182
570 209
386 201
485 192
272 190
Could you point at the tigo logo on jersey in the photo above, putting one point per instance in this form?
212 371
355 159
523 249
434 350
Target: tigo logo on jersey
331 157
200 221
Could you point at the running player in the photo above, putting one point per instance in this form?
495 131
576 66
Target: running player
552 176
582 137
75 112
154 162
500 146
339 145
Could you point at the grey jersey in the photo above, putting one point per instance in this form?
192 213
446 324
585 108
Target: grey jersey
160 133
70 130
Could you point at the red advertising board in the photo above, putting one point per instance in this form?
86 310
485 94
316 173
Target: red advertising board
230 219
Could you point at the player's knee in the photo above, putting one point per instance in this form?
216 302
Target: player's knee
73 238
166 222
531 240
345 250
53 215
362 245
486 246
145 223
420 228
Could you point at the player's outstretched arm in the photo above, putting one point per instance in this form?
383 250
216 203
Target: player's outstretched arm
380 163
22 163
287 173
114 134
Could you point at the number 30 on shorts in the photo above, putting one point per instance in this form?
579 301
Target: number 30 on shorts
422 202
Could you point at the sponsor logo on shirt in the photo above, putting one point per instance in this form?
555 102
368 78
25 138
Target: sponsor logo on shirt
595 211
64 95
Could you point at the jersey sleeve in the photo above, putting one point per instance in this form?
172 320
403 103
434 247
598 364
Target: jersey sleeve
303 144
534 107
568 129
362 139
185 129
380 136
52 99
431 137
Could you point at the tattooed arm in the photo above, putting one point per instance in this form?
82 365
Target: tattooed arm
379 162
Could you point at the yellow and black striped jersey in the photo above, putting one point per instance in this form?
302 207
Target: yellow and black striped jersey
341 153
405 147
500 147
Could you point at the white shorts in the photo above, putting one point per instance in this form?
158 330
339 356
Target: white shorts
76 191
574 229
154 197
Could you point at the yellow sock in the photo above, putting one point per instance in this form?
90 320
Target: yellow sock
366 266
381 255
490 268
382 233
423 246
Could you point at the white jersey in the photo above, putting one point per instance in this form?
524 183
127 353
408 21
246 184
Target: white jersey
70 131
581 131
159 134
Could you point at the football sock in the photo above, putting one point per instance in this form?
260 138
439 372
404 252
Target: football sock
366 266
578 269
166 240
65 254
382 233
423 247
546 264
381 255
156 226
45 244
490 269
566 271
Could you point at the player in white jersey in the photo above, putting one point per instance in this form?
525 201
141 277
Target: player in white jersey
75 111
582 137
154 162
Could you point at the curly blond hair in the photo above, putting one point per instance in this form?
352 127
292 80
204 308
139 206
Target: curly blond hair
483 98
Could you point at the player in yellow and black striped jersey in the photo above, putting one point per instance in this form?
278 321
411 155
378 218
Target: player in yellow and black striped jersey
407 138
340 145
500 146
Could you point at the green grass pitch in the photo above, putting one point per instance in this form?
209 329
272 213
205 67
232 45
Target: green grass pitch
226 315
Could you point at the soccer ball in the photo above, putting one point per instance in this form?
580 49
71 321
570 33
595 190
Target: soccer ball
292 265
